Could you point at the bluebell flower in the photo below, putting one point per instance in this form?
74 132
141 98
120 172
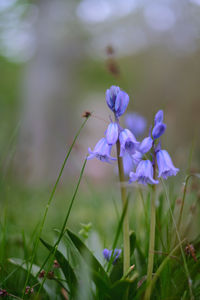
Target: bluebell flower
117 100
158 130
107 254
159 117
136 123
128 142
144 173
131 161
145 145
112 133
121 103
111 95
101 151
165 164
128 163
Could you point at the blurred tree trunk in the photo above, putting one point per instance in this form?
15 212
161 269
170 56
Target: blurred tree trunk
49 91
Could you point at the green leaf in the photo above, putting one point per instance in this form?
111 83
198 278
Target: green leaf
90 259
65 266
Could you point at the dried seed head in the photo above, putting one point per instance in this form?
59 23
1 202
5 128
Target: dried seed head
86 114
190 250
41 274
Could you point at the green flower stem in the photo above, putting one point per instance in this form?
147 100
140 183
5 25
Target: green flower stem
126 241
151 244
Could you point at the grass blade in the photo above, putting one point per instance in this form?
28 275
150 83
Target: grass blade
49 203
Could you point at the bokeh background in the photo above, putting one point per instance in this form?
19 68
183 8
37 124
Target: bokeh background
55 64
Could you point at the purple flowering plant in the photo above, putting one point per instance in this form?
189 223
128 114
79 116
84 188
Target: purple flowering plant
140 158
128 270
145 161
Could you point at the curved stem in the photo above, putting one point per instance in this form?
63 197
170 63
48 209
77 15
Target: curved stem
126 241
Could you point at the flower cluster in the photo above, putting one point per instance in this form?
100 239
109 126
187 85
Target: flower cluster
145 168
142 156
117 100
108 253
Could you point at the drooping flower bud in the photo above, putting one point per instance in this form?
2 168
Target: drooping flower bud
145 145
121 103
117 100
112 133
111 95
165 164
158 130
159 117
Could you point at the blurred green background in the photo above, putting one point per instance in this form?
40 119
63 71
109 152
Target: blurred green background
54 66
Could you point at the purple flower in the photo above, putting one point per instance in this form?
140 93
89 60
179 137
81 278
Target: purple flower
165 164
101 151
128 163
144 173
121 103
136 123
159 117
145 145
128 142
158 130
112 133
117 100
108 253
111 95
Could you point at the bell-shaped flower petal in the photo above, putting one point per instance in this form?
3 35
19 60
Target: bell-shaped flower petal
158 130
165 165
128 163
159 117
111 95
101 151
145 145
121 103
112 133
136 123
128 142
144 173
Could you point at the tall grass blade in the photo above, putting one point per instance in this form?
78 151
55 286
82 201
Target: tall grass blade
187 273
54 248
49 203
